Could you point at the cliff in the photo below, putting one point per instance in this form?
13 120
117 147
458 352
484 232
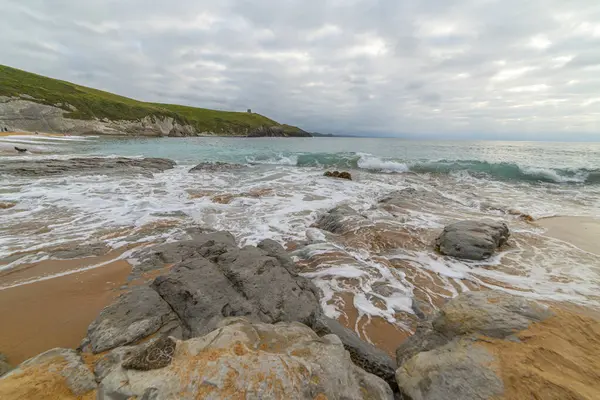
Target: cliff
31 102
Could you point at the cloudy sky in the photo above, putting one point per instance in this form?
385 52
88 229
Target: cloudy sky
431 68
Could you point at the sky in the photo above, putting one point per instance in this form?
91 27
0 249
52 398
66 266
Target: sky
486 69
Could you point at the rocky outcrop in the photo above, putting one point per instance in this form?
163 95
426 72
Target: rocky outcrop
93 165
277 131
25 115
338 174
215 167
492 345
213 279
251 360
472 240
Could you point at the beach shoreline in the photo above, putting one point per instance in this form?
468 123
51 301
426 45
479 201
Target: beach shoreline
581 232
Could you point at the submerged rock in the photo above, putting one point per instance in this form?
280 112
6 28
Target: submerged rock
250 360
488 345
338 174
472 240
95 165
4 365
341 219
215 166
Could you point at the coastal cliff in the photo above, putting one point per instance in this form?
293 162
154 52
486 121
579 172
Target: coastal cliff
30 102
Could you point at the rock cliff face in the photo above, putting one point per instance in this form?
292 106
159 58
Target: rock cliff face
26 115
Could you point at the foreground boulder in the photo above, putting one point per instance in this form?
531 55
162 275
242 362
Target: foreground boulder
95 165
492 345
472 240
248 360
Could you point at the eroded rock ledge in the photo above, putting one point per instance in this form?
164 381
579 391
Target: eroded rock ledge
90 165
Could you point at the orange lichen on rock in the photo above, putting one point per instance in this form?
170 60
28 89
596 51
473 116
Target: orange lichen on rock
40 382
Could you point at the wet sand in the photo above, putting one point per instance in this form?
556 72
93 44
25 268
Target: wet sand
56 312
582 232
2 134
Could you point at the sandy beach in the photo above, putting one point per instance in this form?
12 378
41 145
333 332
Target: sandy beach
55 312
3 134
582 232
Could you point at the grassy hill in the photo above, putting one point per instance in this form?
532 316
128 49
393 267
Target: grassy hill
92 103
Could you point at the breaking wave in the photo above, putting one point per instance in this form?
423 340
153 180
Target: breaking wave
500 171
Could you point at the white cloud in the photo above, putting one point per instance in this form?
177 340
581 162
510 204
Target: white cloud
540 42
529 89
452 67
511 73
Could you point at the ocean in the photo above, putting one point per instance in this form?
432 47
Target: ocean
280 193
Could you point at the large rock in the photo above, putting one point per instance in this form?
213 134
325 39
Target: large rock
133 316
492 345
90 165
472 240
455 371
224 281
252 361
57 373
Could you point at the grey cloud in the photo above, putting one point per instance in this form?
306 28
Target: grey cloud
448 68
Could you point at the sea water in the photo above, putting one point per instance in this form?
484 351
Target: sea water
281 192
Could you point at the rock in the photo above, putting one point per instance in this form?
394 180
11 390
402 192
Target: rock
493 314
61 370
91 165
224 281
215 167
173 253
472 240
254 361
363 354
462 352
77 250
158 354
4 365
341 219
338 174
456 371
133 316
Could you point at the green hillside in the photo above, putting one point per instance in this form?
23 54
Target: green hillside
92 103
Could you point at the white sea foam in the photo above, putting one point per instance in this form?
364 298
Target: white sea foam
370 162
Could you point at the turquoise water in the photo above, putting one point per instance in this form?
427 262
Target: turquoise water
526 161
